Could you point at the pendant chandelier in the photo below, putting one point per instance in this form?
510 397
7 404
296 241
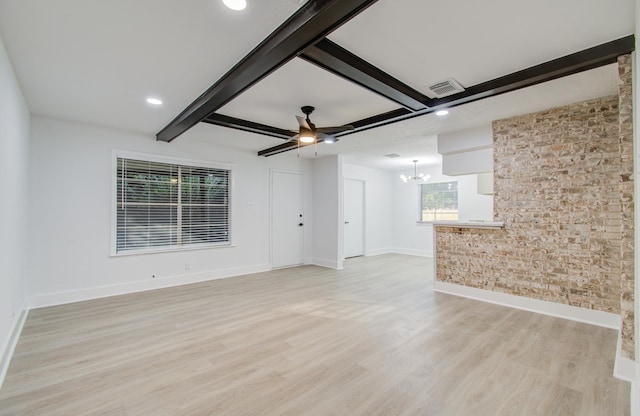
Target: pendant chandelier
421 177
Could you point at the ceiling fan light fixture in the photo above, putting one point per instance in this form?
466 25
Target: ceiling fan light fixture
308 132
307 137
235 4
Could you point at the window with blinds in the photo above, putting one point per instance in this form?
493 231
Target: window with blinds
166 206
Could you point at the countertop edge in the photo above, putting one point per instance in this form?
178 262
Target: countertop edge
465 224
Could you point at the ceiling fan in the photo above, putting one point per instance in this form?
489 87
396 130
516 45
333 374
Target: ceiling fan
309 133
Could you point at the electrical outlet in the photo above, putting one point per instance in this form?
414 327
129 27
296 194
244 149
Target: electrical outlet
187 266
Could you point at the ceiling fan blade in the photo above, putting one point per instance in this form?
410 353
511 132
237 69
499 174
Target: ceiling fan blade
303 123
334 129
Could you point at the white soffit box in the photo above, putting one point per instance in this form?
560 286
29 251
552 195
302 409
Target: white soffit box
467 163
480 137
468 151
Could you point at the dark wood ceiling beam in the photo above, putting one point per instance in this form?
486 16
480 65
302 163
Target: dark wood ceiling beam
250 126
311 23
591 58
284 147
334 58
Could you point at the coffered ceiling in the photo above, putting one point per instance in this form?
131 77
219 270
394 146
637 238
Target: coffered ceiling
96 62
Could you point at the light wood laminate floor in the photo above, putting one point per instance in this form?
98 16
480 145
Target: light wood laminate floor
372 339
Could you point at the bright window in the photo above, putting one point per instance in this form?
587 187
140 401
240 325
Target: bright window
439 201
167 206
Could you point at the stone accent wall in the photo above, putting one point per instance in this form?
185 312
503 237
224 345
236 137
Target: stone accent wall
563 187
625 104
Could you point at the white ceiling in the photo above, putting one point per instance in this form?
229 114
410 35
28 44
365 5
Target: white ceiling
422 42
416 138
277 99
96 62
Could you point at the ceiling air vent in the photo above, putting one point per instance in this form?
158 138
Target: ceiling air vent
392 155
444 88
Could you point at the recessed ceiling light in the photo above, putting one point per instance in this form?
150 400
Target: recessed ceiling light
154 101
441 113
235 4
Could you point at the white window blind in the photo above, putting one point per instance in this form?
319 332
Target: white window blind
170 206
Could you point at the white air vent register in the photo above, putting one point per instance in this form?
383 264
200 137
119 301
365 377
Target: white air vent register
444 88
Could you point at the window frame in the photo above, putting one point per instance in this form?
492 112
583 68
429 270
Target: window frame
116 154
420 220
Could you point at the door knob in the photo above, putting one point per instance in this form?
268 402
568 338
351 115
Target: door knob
300 225
346 222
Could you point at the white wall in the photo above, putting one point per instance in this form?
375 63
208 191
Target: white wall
14 162
71 203
409 237
412 238
328 212
378 207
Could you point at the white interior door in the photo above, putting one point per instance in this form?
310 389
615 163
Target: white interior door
287 221
353 218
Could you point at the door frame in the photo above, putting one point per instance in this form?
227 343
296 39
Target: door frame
364 214
304 215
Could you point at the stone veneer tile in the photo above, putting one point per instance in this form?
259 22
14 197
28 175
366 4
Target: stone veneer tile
625 104
563 185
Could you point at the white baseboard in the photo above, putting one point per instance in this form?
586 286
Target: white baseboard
330 264
635 397
11 344
60 298
395 250
574 313
378 251
624 368
412 252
